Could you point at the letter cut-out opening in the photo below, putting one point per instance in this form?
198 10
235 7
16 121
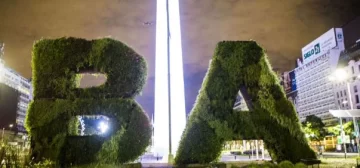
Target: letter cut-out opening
90 79
87 125
242 102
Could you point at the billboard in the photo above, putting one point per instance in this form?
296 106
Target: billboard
289 81
319 46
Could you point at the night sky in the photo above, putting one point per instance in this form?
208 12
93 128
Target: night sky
283 27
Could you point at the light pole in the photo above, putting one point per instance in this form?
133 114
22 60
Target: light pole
170 157
356 126
342 132
342 136
342 76
2 136
1 69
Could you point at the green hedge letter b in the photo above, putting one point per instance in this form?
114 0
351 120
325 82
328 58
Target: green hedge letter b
52 116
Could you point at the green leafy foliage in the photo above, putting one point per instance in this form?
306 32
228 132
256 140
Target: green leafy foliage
241 65
51 118
57 62
97 165
300 165
314 128
348 129
76 145
286 164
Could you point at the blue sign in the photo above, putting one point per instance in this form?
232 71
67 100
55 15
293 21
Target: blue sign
293 81
313 51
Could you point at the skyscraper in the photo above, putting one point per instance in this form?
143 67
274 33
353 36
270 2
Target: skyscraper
11 79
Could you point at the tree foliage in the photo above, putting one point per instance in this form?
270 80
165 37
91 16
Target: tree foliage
314 128
57 100
348 128
241 65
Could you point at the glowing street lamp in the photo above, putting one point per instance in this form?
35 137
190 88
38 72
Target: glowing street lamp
103 127
339 75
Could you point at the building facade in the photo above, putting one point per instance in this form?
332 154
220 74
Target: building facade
23 86
353 70
352 67
308 86
315 92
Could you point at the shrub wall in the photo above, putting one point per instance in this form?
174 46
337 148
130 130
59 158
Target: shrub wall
235 65
50 118
56 62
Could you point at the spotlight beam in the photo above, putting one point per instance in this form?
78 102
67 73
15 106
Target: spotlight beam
169 117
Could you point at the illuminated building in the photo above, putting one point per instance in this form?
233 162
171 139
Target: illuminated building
22 85
314 90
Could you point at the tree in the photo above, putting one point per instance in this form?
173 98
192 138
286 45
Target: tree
314 128
348 129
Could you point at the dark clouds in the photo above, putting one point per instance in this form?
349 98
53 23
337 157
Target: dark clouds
283 27
23 22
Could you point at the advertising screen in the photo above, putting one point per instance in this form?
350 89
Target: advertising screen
317 47
289 81
293 81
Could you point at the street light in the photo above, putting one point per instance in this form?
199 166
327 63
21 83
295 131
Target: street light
1 69
103 127
341 75
2 137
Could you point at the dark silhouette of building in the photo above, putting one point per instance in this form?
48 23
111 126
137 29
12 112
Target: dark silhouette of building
351 32
8 107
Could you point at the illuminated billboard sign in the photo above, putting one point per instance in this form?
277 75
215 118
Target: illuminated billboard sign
319 46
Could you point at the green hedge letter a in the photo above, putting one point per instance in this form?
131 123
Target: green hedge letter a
241 65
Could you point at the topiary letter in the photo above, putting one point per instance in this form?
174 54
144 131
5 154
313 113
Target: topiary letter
57 101
241 66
